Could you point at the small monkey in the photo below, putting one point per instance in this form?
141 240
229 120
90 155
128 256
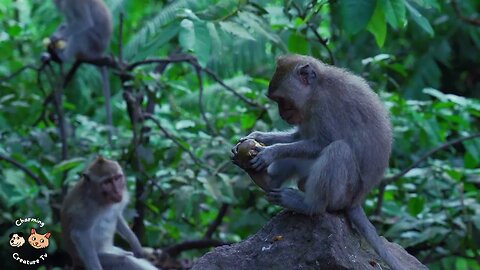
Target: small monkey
90 215
86 34
338 150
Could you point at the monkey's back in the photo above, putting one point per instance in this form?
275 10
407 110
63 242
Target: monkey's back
349 110
103 26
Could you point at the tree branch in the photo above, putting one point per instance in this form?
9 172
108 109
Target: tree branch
472 21
389 180
20 71
218 220
40 181
176 141
392 179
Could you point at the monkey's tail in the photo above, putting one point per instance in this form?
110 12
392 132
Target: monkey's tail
366 228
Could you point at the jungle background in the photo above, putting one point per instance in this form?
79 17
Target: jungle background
177 116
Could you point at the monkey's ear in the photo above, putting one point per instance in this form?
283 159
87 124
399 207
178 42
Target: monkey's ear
307 74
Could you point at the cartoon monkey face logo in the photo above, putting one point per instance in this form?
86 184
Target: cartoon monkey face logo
16 239
37 240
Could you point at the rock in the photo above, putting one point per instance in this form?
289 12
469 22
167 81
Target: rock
294 241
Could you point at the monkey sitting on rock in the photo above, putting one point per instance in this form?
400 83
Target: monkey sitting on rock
338 150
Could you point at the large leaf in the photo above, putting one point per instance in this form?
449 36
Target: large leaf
236 29
395 12
355 14
377 25
420 19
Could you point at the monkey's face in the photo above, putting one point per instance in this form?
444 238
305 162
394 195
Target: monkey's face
112 188
288 110
291 88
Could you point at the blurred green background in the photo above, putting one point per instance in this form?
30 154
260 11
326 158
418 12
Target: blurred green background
421 56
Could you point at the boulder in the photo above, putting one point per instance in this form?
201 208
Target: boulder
294 241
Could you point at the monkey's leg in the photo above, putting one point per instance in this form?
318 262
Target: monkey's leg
334 179
112 261
284 169
280 171
332 182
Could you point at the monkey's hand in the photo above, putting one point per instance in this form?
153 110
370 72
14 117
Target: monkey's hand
289 198
257 136
139 253
266 155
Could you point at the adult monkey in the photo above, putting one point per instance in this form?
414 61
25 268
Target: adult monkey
339 149
85 35
90 215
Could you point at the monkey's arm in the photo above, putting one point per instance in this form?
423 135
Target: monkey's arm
129 236
307 149
82 240
270 138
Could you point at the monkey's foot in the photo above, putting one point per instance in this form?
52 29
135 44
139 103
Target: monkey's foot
291 199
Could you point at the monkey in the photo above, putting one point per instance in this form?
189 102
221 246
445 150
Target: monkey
85 35
91 214
338 149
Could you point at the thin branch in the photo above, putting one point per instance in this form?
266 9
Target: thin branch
71 72
389 180
193 61
218 221
216 78
120 38
176 141
18 72
323 42
381 193
177 59
427 155
210 127
40 181
58 104
472 21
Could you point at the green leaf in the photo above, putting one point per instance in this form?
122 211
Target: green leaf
298 44
415 205
203 43
378 26
235 29
395 12
187 35
355 14
68 164
420 20
184 124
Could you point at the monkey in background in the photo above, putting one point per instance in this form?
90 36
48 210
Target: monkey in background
90 215
85 35
338 150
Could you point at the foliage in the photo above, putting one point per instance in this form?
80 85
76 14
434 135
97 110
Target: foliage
420 55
